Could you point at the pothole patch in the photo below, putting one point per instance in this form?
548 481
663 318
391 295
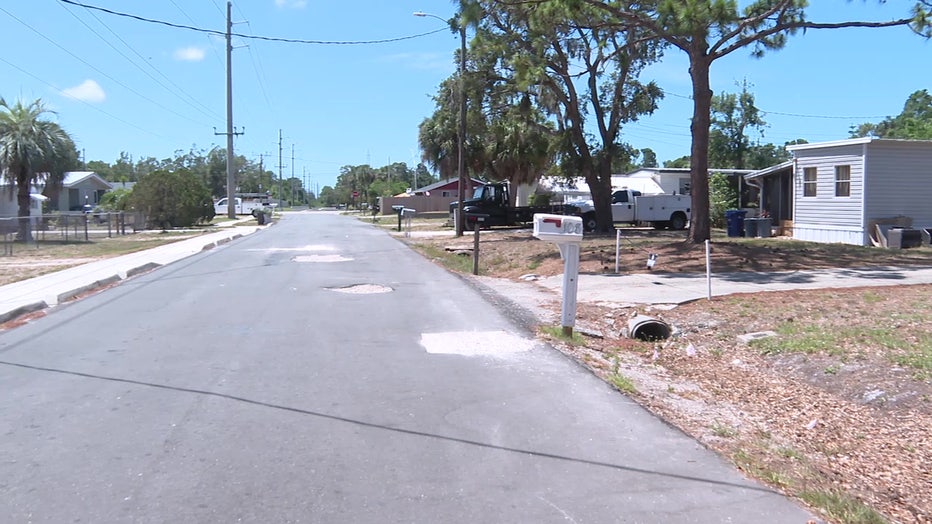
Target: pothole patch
362 289
499 344
321 258
302 249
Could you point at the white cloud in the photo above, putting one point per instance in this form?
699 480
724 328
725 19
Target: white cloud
291 4
87 91
190 54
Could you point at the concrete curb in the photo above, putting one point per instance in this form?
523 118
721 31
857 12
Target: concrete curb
22 310
145 268
68 295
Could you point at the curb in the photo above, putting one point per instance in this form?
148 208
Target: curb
68 295
145 268
13 314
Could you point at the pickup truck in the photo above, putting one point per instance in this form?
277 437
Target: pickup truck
631 207
493 201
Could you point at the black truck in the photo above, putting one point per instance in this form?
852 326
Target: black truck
492 203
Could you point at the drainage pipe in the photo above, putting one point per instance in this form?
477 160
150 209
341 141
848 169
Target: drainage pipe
646 328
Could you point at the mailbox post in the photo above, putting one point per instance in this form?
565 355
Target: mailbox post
567 233
398 210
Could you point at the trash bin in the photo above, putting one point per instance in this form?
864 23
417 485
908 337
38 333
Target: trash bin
764 227
751 227
734 219
260 218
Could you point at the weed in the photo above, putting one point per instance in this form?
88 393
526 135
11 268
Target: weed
843 507
557 332
871 297
832 370
790 453
724 431
919 359
623 383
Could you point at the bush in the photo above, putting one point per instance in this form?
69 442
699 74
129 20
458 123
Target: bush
722 197
115 200
172 199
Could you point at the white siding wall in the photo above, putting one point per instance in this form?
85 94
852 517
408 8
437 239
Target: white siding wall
825 217
899 181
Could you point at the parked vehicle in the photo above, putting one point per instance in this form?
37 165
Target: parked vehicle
244 203
493 202
631 207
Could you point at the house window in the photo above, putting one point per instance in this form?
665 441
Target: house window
842 181
809 181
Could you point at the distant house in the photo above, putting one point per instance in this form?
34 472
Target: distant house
838 191
435 197
449 188
79 188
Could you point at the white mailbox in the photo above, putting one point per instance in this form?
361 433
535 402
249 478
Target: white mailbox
559 229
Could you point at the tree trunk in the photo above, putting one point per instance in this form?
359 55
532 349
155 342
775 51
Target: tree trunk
24 231
699 228
601 191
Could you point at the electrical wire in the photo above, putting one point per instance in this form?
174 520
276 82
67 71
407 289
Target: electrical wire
253 37
85 62
147 73
92 106
798 115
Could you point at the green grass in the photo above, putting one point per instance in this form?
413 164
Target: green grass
843 507
623 383
919 359
557 332
460 263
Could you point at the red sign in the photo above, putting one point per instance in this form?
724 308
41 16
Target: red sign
355 194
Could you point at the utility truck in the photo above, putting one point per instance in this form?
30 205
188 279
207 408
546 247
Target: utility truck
631 207
492 202
244 203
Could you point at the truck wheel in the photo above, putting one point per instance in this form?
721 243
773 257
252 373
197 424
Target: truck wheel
589 222
678 221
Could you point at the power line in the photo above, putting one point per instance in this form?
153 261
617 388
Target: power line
253 37
128 59
92 106
85 62
798 115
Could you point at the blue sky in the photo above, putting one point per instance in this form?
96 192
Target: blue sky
119 84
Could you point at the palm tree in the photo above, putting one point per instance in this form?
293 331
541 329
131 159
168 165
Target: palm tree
32 151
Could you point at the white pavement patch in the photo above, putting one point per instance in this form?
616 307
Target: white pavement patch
362 289
309 248
321 258
476 343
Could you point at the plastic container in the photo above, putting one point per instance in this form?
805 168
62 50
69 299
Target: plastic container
734 219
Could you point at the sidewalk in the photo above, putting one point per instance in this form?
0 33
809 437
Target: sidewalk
51 289
670 288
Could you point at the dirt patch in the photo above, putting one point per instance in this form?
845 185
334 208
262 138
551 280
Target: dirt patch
835 410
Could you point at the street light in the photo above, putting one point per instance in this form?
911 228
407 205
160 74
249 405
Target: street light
461 160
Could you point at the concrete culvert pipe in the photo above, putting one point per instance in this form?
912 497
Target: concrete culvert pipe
648 328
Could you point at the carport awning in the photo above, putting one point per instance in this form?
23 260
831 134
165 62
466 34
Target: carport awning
770 170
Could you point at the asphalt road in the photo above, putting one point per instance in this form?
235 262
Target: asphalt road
320 371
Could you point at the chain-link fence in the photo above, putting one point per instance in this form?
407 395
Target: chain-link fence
58 228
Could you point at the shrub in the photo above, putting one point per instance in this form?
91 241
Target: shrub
722 197
172 199
115 200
